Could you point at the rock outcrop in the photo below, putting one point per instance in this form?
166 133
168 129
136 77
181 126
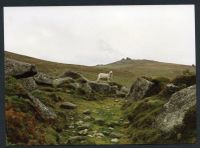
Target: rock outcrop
19 69
42 78
102 88
74 75
41 109
60 81
29 83
139 89
169 89
175 109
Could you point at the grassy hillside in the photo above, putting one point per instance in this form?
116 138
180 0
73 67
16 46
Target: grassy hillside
124 72
110 117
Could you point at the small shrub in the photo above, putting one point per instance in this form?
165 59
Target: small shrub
159 84
186 80
13 87
187 72
21 128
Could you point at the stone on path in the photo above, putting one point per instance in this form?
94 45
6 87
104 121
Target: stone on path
115 140
115 135
83 132
68 105
100 121
74 139
84 126
87 112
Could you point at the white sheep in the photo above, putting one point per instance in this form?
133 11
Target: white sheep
107 76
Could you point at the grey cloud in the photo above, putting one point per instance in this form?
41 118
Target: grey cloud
92 35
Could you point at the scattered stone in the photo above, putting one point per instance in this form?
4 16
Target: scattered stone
71 126
83 132
84 126
115 140
113 123
75 139
90 136
87 112
100 121
99 134
79 122
116 135
68 105
116 100
111 128
87 118
106 133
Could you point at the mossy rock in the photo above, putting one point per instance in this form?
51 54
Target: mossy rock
184 80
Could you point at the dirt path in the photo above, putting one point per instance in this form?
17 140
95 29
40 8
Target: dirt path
98 122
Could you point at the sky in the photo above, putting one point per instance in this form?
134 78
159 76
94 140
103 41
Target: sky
91 35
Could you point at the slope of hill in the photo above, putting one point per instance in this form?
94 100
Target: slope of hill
125 71
73 109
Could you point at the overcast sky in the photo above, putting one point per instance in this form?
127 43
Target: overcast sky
90 35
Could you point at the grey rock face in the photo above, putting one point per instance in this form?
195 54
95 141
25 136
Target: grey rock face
60 81
100 87
29 83
42 78
74 75
68 105
44 111
84 126
176 108
169 89
84 89
139 89
19 69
